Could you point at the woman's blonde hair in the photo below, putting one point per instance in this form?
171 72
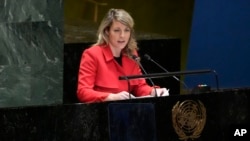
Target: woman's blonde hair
123 17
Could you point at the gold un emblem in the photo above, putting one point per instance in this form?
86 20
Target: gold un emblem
189 118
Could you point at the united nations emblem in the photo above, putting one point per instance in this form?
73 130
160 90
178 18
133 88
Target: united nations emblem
189 118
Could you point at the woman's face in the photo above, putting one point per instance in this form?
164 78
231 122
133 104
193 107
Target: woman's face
119 35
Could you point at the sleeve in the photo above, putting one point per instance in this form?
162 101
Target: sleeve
86 79
141 88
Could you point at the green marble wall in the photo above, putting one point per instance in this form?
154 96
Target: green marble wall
31 56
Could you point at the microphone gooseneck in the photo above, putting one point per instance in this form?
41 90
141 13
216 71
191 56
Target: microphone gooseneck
146 56
137 59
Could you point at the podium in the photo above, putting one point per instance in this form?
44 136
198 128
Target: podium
221 113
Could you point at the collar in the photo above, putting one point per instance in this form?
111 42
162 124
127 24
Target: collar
107 52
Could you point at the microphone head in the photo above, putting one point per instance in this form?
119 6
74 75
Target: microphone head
136 58
147 57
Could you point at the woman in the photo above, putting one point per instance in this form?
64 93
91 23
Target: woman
110 57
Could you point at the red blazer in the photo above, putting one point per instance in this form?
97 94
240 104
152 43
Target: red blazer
99 72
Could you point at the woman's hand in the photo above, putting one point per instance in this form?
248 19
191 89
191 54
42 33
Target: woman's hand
160 92
119 96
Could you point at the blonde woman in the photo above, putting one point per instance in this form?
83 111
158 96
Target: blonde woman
111 57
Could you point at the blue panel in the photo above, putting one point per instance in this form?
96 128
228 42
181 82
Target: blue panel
132 122
219 40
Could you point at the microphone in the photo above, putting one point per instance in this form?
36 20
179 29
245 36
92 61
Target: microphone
137 59
150 59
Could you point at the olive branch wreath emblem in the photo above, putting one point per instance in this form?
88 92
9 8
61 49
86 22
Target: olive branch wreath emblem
188 118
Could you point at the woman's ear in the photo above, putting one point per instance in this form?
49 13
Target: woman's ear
106 31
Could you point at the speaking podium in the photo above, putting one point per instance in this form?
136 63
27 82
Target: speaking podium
215 115
200 117
137 122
